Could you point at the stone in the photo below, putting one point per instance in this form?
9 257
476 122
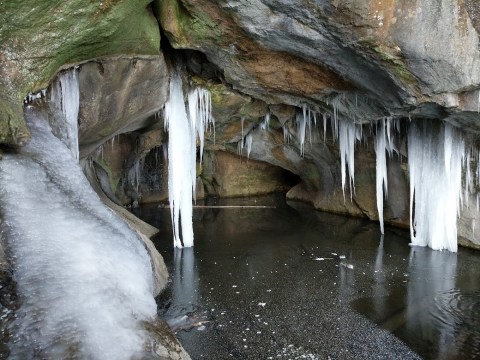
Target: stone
229 175
119 95
40 38
383 58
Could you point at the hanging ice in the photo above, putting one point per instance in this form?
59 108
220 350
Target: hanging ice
303 121
381 169
199 111
347 135
180 164
182 130
435 166
248 143
83 276
66 94
265 125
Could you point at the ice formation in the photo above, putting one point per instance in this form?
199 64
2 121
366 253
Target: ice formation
249 143
135 175
182 131
347 137
66 93
304 122
83 276
381 170
265 125
435 166
199 112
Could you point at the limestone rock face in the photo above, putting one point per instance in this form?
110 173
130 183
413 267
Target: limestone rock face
228 175
119 95
384 58
39 37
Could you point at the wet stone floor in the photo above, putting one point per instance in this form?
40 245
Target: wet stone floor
288 282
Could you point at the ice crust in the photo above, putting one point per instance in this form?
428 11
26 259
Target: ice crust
83 276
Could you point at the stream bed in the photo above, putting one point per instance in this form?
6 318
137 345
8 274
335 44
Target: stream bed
288 282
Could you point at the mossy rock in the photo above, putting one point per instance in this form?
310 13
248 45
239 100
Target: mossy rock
37 38
184 28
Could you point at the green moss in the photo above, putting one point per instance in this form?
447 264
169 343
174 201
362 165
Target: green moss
13 129
39 37
396 64
186 28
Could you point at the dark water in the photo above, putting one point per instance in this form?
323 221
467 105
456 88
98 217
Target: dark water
254 287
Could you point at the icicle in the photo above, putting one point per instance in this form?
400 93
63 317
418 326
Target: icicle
381 169
346 131
307 114
287 137
137 176
248 143
265 125
334 119
478 102
435 166
182 147
240 147
67 91
199 110
180 164
324 127
467 179
301 125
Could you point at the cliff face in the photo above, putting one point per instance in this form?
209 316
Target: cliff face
358 61
417 57
39 38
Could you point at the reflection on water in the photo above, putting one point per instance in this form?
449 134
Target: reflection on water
290 283
437 313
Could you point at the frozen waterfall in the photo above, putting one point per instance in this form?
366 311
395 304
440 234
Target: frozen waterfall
65 95
182 131
435 158
83 277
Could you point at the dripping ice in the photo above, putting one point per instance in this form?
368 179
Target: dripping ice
66 95
435 166
83 276
183 129
432 201
383 144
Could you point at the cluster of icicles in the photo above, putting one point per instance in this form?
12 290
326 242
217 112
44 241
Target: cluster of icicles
184 124
435 162
436 159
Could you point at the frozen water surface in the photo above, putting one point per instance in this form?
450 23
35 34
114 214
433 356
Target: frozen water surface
376 298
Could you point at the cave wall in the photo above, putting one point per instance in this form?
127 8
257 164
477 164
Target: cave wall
359 60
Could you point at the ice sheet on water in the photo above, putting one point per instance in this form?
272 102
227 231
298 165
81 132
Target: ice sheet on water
84 278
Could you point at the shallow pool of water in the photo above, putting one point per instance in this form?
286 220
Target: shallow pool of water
288 282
